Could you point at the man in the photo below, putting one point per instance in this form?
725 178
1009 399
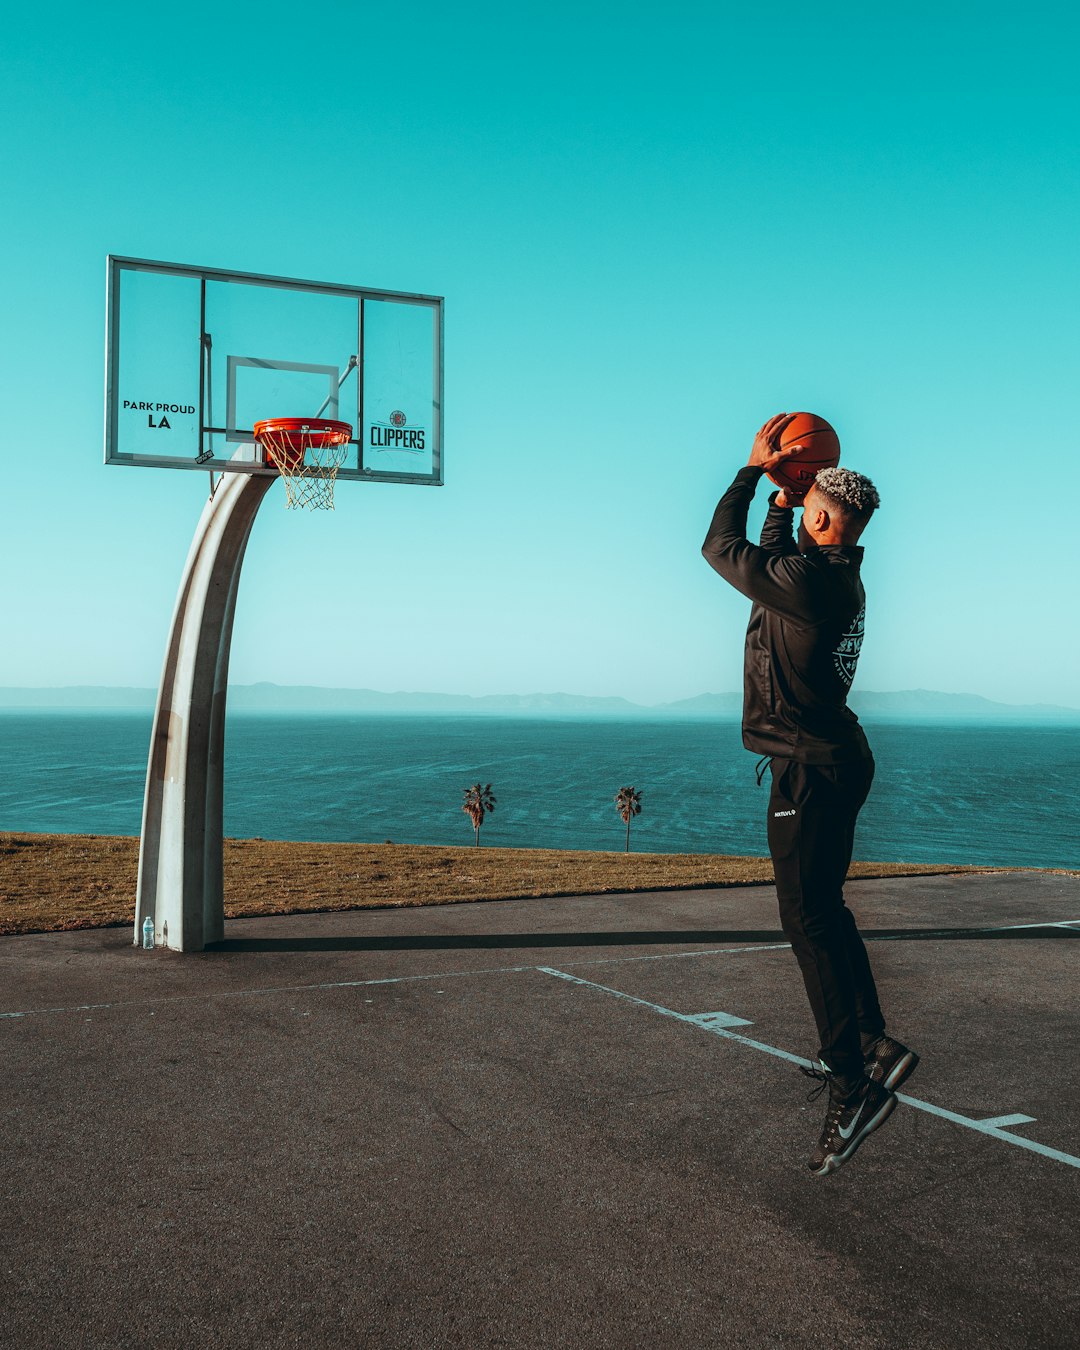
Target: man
802 646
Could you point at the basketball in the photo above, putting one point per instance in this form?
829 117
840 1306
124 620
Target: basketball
822 451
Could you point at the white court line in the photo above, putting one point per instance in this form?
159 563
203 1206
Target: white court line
1069 924
490 970
270 989
361 984
993 1128
677 956
1058 923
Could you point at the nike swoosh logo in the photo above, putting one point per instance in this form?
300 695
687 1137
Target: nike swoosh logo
846 1134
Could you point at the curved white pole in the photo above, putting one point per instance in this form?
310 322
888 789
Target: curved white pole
180 855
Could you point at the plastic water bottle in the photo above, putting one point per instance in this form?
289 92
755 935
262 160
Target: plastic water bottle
148 934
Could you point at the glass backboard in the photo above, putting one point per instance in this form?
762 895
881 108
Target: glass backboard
196 356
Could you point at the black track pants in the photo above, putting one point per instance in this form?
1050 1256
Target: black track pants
812 813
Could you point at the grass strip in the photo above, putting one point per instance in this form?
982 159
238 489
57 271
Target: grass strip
54 882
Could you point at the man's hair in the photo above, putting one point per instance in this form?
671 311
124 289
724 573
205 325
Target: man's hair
852 494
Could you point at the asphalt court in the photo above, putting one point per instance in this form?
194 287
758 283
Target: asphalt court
563 1122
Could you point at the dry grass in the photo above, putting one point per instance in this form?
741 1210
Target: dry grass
51 882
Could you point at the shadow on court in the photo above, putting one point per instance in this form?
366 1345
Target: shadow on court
673 937
541 1123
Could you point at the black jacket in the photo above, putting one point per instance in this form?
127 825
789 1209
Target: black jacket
806 629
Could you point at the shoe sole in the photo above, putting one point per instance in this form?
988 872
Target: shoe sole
835 1161
901 1071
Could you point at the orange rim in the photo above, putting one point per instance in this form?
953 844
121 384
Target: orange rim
311 431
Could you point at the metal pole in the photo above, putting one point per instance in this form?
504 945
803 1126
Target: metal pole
180 854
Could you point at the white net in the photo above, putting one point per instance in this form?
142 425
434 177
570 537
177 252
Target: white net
307 456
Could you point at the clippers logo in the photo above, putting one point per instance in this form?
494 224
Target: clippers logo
846 656
394 434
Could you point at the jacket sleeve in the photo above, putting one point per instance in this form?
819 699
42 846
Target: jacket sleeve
777 533
780 583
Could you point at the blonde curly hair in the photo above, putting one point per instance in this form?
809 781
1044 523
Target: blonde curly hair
850 492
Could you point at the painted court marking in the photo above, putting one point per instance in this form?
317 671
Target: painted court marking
718 1024
389 979
1069 925
1073 925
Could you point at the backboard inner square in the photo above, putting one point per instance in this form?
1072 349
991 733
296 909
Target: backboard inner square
258 388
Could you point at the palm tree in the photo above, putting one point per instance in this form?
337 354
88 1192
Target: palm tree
628 802
478 802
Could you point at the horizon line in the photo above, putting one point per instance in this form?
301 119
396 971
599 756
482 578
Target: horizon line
534 694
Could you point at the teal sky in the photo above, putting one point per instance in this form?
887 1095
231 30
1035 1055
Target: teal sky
654 227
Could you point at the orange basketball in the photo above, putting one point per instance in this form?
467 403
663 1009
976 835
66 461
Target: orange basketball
821 451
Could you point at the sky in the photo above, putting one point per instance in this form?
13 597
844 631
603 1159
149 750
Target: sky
654 226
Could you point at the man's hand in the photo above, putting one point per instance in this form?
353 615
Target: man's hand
787 500
766 452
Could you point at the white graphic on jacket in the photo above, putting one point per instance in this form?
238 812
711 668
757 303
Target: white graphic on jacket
846 656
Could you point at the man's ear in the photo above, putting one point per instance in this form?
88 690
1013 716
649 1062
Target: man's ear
821 520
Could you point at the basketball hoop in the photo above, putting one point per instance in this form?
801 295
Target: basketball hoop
307 453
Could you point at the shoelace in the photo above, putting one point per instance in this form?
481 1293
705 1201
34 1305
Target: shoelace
823 1081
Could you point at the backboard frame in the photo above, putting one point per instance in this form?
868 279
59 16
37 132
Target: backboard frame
209 456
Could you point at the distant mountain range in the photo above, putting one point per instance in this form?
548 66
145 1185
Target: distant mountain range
912 705
908 705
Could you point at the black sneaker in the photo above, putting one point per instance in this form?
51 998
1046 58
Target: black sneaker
889 1063
849 1120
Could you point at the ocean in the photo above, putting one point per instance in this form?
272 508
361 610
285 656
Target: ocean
987 794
